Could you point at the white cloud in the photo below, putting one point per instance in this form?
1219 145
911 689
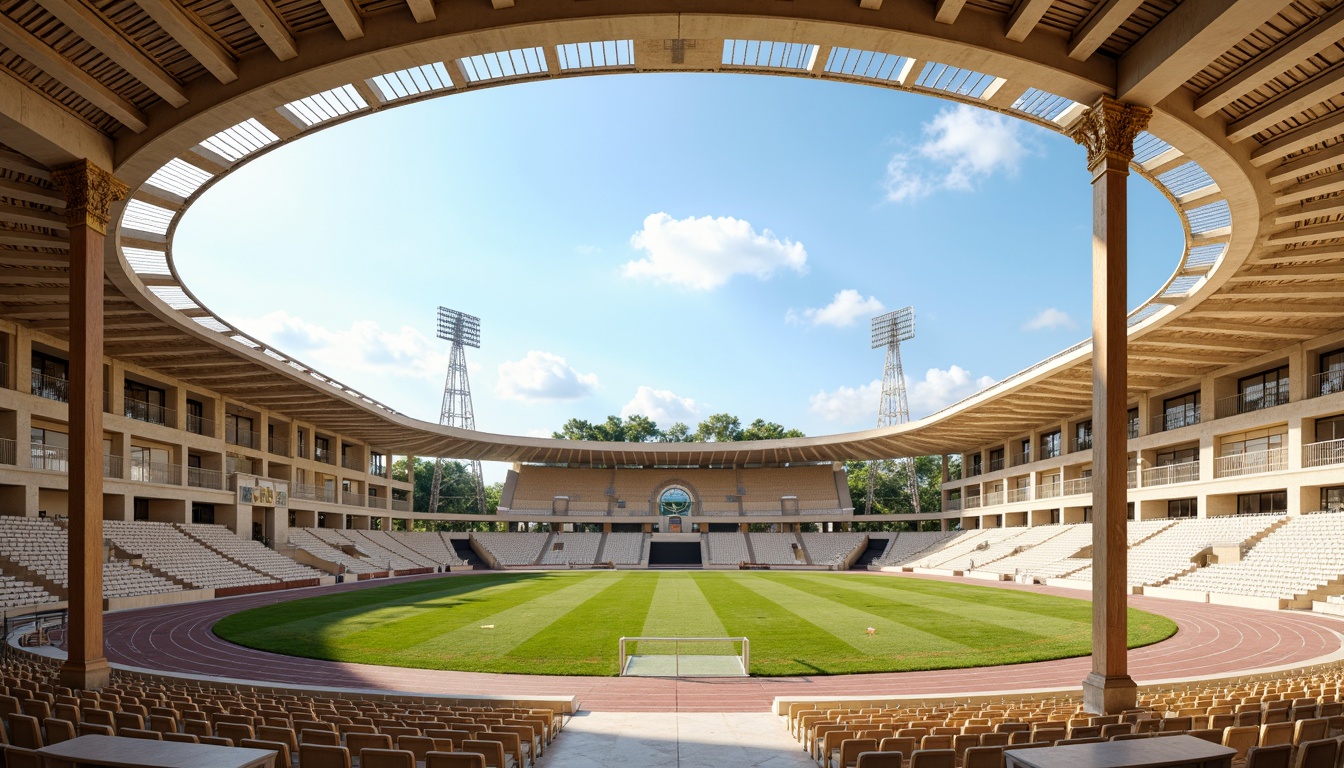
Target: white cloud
662 406
962 146
846 307
704 253
939 389
542 376
362 348
1049 319
848 405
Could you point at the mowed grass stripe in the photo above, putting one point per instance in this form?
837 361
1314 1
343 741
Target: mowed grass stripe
1040 617
783 641
850 624
584 642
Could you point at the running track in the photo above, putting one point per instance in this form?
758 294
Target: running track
1211 641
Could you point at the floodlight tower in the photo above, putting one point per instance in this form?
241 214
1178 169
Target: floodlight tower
889 331
463 331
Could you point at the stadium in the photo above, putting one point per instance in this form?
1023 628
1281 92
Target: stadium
205 547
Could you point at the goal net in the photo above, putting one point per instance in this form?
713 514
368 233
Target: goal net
685 656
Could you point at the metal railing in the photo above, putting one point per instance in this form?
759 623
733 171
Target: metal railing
353 499
312 493
996 464
1017 494
1080 444
49 457
150 413
112 466
243 438
401 505
1021 458
974 470
378 502
160 472
1323 454
51 387
9 451
993 498
1077 486
377 468
1254 463
235 464
1132 478
953 505
198 477
1132 430
1248 402
324 455
1185 472
1049 490
972 502
351 462
200 425
1325 383
1176 418
277 445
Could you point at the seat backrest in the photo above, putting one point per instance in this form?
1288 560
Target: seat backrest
933 758
492 750
386 758
58 730
235 731
1311 729
323 756
935 741
510 742
903 744
455 760
285 736
139 733
1321 753
18 757
994 739
322 737
983 757
1241 738
1276 733
25 732
281 750
1277 756
880 760
850 749
182 738
358 742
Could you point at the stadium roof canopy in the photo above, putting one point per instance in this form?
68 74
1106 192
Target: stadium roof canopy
172 94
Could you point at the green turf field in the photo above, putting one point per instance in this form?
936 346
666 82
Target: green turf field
568 623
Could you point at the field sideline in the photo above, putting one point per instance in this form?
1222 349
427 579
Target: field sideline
568 623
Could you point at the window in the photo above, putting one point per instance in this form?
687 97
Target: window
1330 428
674 501
1054 517
996 460
1263 390
1252 444
1050 447
322 449
1183 508
1082 435
303 442
145 403
150 465
977 464
376 466
1180 411
1332 499
195 417
1180 456
50 449
1270 502
1332 372
238 430
1024 451
202 514
141 510
51 377
1133 423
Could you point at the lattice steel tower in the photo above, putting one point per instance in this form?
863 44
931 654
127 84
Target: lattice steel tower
463 331
889 331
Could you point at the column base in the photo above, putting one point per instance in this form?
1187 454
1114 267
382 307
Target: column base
1109 695
89 675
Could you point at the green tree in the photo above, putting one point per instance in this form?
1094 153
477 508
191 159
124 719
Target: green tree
761 429
457 494
677 433
891 494
719 428
641 429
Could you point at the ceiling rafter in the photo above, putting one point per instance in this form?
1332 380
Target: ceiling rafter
196 41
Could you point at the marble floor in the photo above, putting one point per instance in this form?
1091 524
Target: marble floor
675 740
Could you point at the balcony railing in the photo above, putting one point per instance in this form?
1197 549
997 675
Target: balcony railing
377 469
1247 402
1131 478
401 505
9 451
353 499
235 464
49 457
351 462
378 502
1325 383
1015 495
1238 464
312 493
952 505
1175 418
971 502
150 413
200 425
198 477
324 455
112 466
243 438
1323 454
1081 444
974 470
1186 472
160 472
277 445
1133 429
1021 458
996 464
1077 486
51 387
993 498
1049 490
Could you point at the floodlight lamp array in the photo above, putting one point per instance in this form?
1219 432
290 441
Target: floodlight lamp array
459 327
893 327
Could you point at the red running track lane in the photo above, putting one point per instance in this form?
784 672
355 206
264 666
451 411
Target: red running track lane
1211 641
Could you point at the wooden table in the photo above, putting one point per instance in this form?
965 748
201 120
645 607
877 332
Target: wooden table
1155 752
120 752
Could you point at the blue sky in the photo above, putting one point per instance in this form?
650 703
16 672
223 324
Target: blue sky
677 245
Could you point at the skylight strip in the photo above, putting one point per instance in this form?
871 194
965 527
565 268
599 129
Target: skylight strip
513 63
949 79
245 341
213 324
147 262
1182 285
405 83
1043 104
1184 179
241 140
768 54
604 53
146 217
870 64
1205 255
173 296
1147 146
1208 218
179 177
327 105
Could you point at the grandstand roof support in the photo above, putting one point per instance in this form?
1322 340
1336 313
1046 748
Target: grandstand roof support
1107 130
90 192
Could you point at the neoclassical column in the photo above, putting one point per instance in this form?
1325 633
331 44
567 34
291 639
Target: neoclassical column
1107 130
89 192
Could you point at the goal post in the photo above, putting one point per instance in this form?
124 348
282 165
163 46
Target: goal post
685 656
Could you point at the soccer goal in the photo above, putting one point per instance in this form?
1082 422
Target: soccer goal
685 656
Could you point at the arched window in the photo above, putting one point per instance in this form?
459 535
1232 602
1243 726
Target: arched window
674 501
